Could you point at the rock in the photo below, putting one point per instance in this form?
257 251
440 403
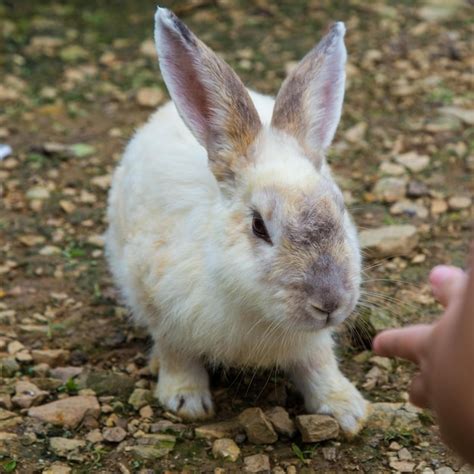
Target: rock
148 48
150 96
146 412
402 466
140 397
223 429
116 434
14 347
57 468
390 189
68 412
329 453
147 452
107 383
225 448
382 362
389 241
50 250
157 445
257 428
37 193
356 133
31 240
9 366
398 416
65 373
281 421
166 426
445 123
28 394
457 203
444 470
391 169
94 436
466 115
413 161
404 455
52 357
416 189
409 208
257 463
8 419
63 446
439 10
438 206
315 428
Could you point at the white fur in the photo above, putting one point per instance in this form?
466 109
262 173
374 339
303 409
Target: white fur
199 293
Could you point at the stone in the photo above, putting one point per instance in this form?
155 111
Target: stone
257 463
223 429
413 161
356 133
150 96
409 209
391 169
146 411
68 412
158 445
8 367
389 241
404 455
457 203
166 426
57 468
402 466
416 189
257 428
14 347
50 250
65 373
444 470
31 240
28 394
8 419
438 206
465 115
37 193
315 428
390 189
63 446
140 397
225 448
107 383
382 362
398 416
148 453
281 421
52 357
115 434
94 436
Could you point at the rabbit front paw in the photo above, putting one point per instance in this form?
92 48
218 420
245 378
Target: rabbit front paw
190 403
345 404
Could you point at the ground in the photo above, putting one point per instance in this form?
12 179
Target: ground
76 79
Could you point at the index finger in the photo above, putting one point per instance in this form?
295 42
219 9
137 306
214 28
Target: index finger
407 343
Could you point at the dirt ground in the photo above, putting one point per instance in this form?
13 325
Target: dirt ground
76 79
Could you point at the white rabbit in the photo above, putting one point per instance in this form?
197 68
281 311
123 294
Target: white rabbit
228 237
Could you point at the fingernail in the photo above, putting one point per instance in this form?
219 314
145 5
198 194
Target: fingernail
440 274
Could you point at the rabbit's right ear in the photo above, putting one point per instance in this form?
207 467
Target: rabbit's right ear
209 96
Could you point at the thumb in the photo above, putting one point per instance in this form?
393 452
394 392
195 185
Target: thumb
407 343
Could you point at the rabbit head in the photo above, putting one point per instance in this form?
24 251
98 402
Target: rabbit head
283 242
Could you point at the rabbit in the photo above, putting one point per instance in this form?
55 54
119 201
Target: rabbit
228 236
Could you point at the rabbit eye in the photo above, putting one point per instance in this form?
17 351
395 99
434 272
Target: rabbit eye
259 229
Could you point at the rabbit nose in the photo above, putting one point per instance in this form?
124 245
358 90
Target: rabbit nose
324 307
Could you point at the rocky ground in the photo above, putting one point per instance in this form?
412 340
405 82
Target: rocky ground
76 79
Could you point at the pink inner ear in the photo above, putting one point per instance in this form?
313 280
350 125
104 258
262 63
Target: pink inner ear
184 84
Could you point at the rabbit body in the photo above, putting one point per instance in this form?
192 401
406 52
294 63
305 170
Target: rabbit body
181 248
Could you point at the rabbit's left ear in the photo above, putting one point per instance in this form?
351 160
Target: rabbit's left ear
308 106
209 96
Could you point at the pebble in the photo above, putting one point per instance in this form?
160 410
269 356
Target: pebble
94 436
257 463
107 383
382 362
28 394
37 193
413 161
165 426
57 468
457 203
146 411
225 448
223 429
409 208
389 241
402 466
390 189
416 189
257 427
14 347
52 357
140 397
149 96
67 412
315 428
9 366
391 169
444 470
63 446
115 434
65 373
398 416
438 206
281 421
